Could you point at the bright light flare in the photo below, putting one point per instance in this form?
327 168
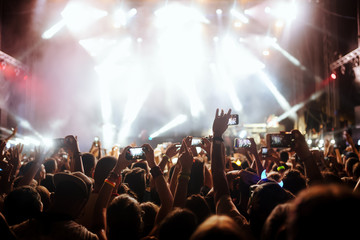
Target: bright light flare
287 11
278 96
175 122
53 30
121 18
175 15
240 16
79 16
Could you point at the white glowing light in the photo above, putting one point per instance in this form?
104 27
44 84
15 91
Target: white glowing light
78 16
266 53
243 134
332 141
53 30
219 11
321 142
121 17
284 104
175 122
48 142
309 141
239 15
279 24
285 10
174 15
98 46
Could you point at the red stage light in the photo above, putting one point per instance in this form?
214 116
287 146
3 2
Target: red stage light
25 77
333 76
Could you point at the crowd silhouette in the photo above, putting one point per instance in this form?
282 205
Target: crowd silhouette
287 193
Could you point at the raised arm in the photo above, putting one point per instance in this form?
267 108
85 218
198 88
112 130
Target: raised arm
186 161
99 217
29 175
222 198
166 198
218 155
301 148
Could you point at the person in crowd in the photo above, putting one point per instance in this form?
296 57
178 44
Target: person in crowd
293 193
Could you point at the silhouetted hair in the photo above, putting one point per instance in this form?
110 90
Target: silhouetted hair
198 205
21 204
325 212
48 182
50 165
196 177
177 225
123 217
102 169
149 211
219 227
294 181
135 179
88 161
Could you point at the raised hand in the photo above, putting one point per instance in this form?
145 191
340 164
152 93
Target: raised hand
185 158
220 122
149 153
206 145
172 150
122 162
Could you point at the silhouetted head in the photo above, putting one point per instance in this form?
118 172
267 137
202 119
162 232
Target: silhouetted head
178 225
21 204
123 218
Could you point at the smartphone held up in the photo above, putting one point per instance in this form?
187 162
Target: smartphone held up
135 153
280 140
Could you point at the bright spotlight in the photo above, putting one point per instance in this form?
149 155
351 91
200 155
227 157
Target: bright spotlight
285 10
266 53
121 18
238 24
132 12
333 76
239 15
53 30
278 96
79 16
309 141
321 143
48 142
243 134
219 11
175 15
279 24
175 122
332 141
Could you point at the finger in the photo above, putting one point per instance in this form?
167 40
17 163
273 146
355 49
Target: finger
229 112
222 113
217 113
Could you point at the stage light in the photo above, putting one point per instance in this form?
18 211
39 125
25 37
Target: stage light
139 40
121 18
219 11
238 24
279 24
284 104
48 142
175 122
239 15
216 39
284 10
242 134
309 141
332 141
53 30
321 143
333 76
266 53
132 12
78 16
177 15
